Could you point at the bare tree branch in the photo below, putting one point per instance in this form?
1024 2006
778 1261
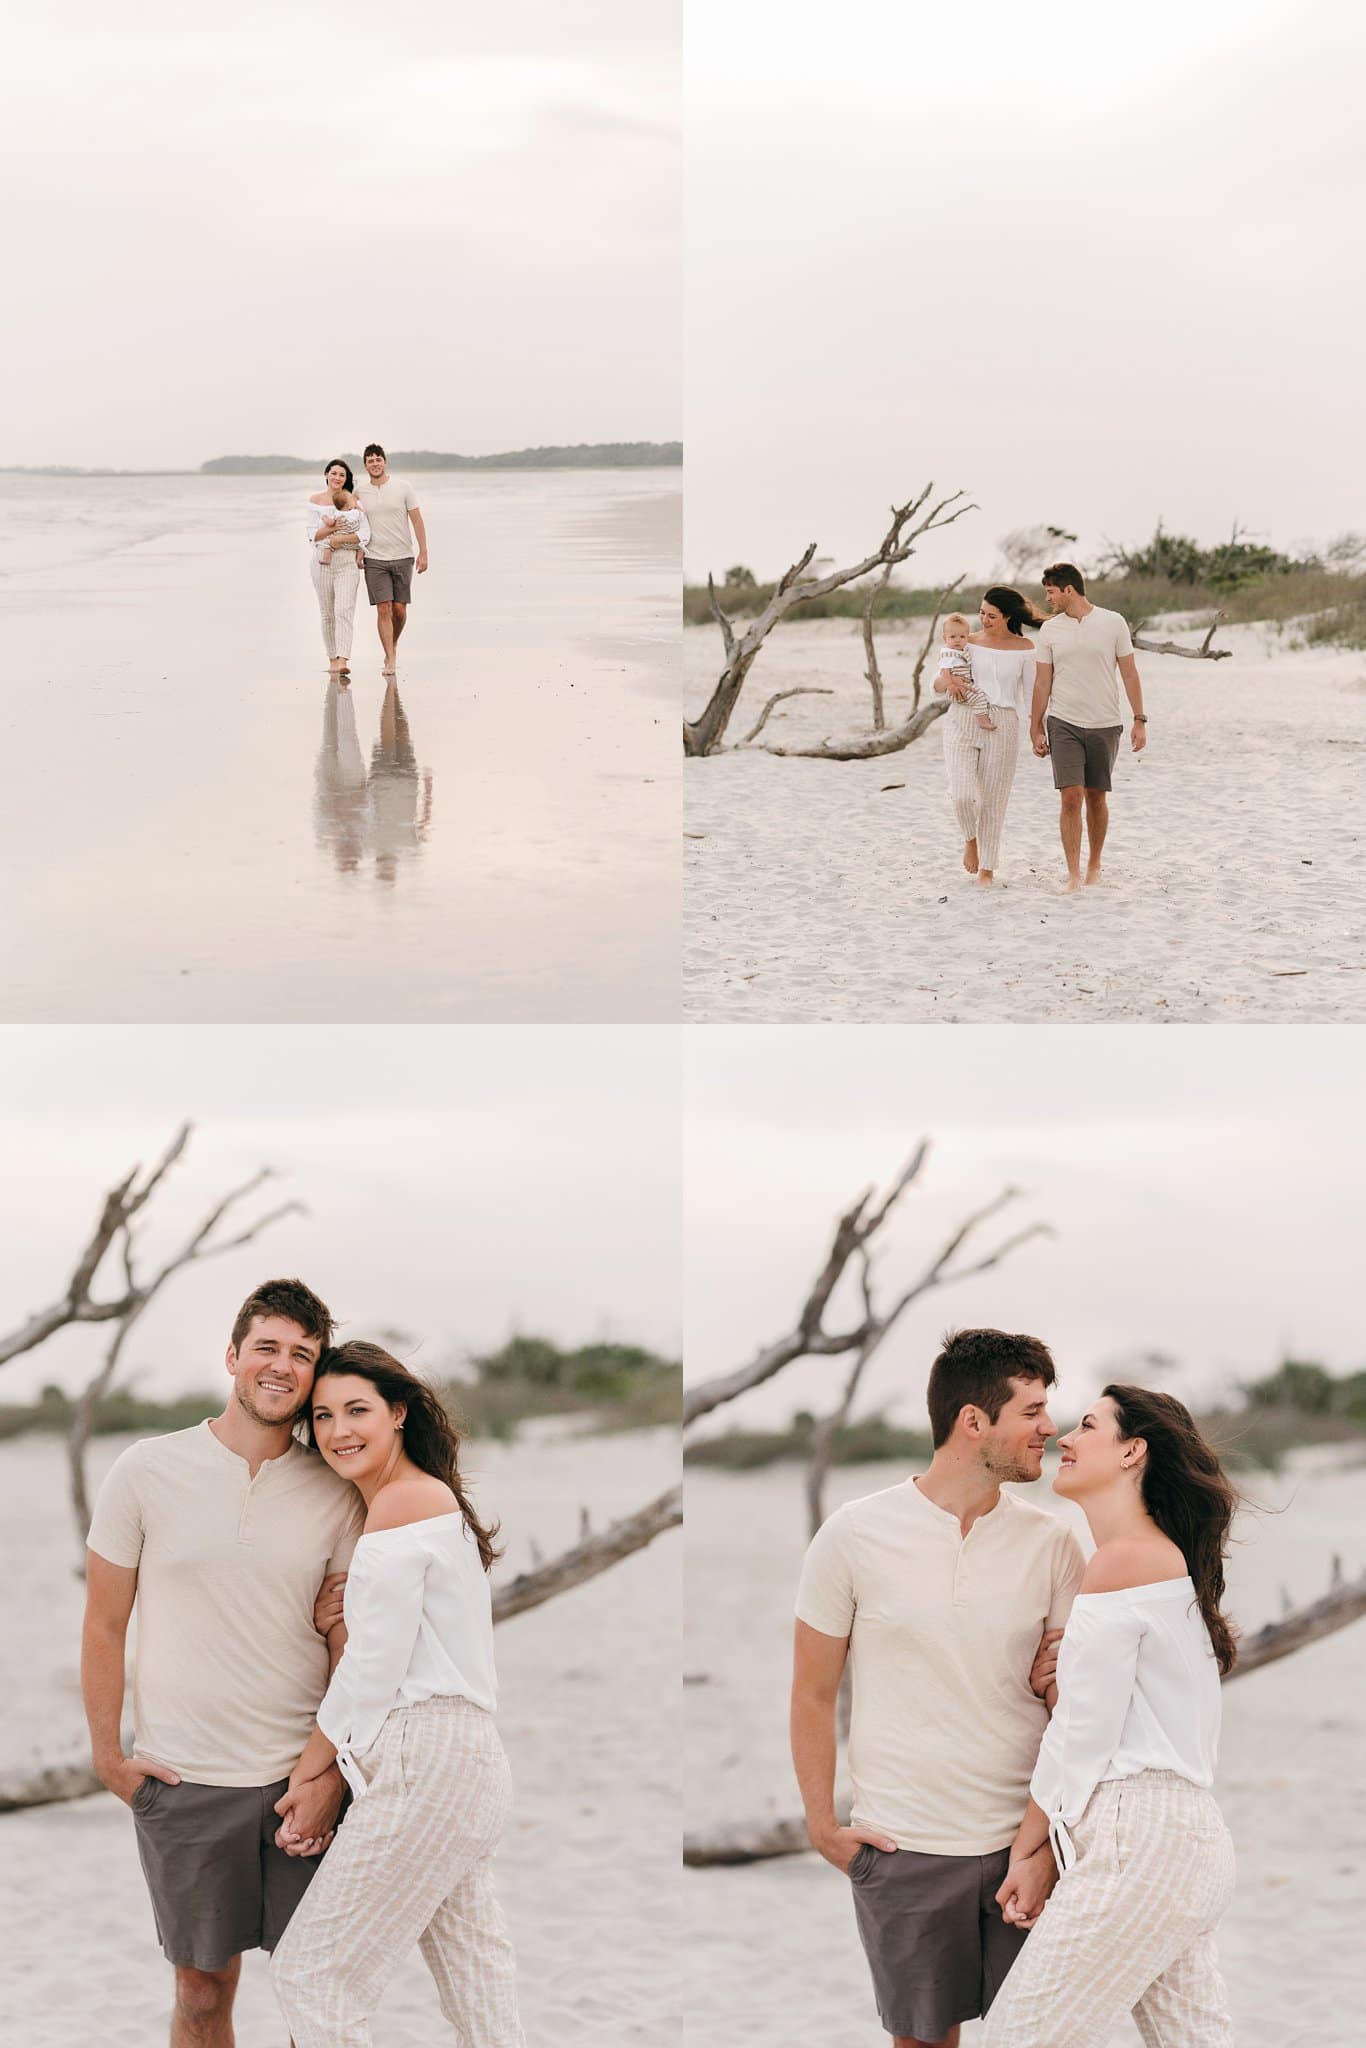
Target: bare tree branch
809 1338
586 1560
873 672
874 745
1204 652
778 697
910 522
140 1295
120 1206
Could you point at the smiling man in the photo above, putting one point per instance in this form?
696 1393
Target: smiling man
390 504
222 1535
945 1596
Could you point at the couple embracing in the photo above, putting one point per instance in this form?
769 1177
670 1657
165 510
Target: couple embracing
1033 1736
353 528
314 1625
1070 683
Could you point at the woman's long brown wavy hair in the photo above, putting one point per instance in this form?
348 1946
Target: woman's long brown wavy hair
430 1438
1188 1495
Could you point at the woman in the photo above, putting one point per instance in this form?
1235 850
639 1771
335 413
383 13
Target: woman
409 1718
981 765
1121 1786
337 531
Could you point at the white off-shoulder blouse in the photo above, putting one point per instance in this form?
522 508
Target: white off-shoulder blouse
1138 1690
1005 676
419 1623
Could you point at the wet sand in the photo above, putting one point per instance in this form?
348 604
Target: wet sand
588 1871
206 827
1234 883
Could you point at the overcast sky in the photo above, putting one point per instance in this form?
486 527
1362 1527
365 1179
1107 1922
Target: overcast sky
459 1183
263 229
1094 263
1203 1184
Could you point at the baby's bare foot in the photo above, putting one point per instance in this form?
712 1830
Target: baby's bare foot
987 724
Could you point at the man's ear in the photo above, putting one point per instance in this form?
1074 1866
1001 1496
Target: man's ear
972 1419
231 1359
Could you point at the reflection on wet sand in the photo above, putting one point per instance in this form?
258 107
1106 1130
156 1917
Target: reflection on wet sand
384 814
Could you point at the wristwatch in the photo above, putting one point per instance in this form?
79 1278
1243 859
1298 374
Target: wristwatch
1140 718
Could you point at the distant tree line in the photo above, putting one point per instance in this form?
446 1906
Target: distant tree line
582 455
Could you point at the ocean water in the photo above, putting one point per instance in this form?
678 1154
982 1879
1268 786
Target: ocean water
199 824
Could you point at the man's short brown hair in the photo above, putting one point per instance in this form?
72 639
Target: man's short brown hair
1064 576
288 1298
975 1367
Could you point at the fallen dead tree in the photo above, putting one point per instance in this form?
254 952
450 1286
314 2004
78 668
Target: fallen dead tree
910 522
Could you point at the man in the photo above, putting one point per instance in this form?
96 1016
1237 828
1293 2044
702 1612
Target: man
223 1535
947 1597
390 504
1077 652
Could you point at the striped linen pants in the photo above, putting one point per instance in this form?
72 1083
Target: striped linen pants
981 769
412 1863
1129 1928
335 583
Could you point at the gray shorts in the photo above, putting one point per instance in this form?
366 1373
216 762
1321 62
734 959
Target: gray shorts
389 582
933 1934
219 1885
1082 753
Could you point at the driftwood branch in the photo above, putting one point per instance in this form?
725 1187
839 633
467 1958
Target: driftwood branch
199 1245
910 522
874 744
587 1559
801 690
873 673
759 1841
1204 652
77 1305
809 1337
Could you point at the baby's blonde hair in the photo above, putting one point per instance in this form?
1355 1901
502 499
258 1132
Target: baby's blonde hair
957 619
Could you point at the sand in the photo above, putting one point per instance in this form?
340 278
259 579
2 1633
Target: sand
776 1957
207 830
588 1872
1235 873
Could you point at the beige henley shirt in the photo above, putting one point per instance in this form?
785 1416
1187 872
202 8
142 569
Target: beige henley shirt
942 1633
228 1667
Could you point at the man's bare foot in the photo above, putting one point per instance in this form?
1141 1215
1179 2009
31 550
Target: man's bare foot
389 669
970 856
1072 886
984 878
1092 876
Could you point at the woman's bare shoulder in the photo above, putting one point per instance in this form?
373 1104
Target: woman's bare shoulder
418 1498
977 639
321 498
1132 1561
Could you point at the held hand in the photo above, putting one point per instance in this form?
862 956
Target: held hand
308 1810
956 687
1039 741
1024 1893
841 1845
422 563
1138 738
126 1773
327 1608
1045 1662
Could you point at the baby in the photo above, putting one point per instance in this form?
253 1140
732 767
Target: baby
347 513
955 660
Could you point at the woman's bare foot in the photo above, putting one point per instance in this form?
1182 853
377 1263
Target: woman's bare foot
970 856
984 878
336 665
